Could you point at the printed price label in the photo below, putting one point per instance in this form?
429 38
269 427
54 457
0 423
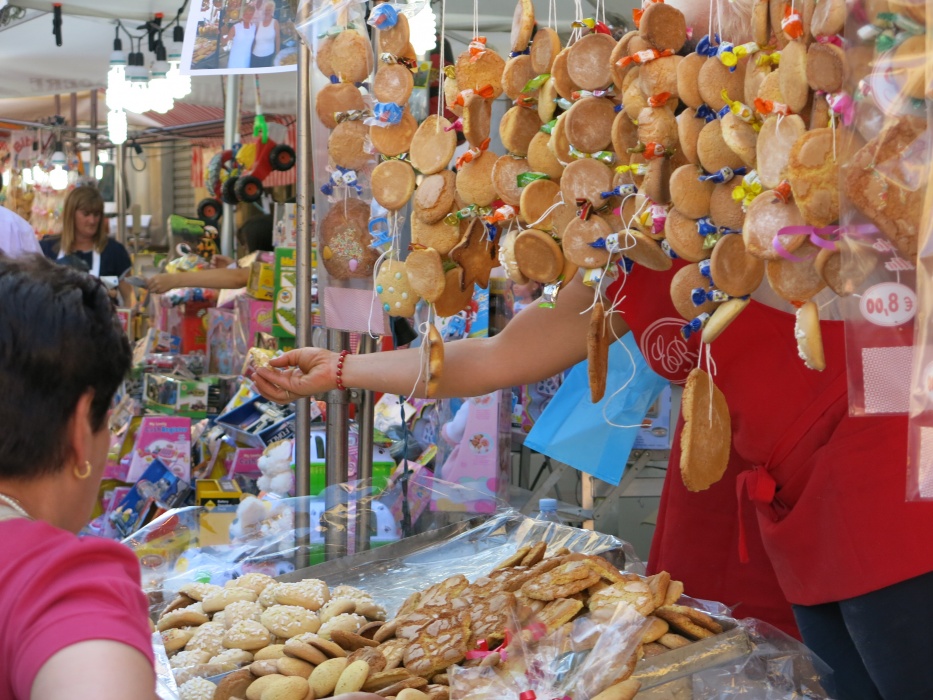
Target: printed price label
888 304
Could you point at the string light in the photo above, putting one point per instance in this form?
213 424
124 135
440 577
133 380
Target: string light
423 30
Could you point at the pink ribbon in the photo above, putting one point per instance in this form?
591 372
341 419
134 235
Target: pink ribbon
824 237
841 103
835 40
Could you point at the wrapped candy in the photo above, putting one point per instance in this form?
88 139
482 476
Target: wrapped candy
748 190
652 150
477 48
470 155
695 326
730 55
741 110
706 113
792 24
384 16
607 157
641 57
620 191
486 91
341 177
723 175
536 82
385 114
764 107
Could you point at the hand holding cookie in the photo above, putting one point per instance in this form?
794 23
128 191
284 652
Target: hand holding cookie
298 374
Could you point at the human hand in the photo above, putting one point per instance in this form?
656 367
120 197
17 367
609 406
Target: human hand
221 261
297 374
160 284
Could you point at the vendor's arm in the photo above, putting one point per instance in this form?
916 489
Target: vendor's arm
212 279
99 669
538 343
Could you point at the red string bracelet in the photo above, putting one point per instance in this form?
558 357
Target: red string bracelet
340 361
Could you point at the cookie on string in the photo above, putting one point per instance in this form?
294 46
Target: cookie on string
507 256
826 67
597 352
770 87
588 61
722 318
741 138
440 235
547 101
616 69
395 139
541 159
776 139
689 128
712 150
435 196
345 241
813 173
755 74
538 256
395 39
335 98
477 119
658 125
820 112
393 83
433 367
765 217
657 183
589 122
451 92
689 194
559 143
684 238
351 56
393 183
563 83
829 18
688 80
515 76
523 25
776 16
456 297
796 280
663 26
578 241
810 337
505 178
761 25
633 99
644 250
715 77
485 70
425 272
323 58
793 76
516 129
432 147
623 136
736 272
537 197
706 437
561 215
659 77
477 255
684 282
474 180
347 145
586 179
394 290
544 50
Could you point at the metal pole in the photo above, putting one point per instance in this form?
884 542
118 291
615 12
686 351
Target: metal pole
93 154
338 443
119 191
364 463
303 270
231 136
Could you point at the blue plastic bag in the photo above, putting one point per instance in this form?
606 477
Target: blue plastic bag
575 431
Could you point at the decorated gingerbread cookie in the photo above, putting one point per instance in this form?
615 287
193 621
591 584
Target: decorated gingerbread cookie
345 240
394 291
477 255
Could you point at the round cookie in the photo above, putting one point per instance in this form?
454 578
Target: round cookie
908 63
538 255
776 15
477 119
765 217
507 257
826 67
735 271
712 151
754 77
547 101
722 317
633 99
714 77
793 76
688 79
435 196
657 183
347 145
586 179
796 280
337 97
395 39
516 74
537 197
775 142
523 25
393 183
577 240
685 280
474 180
689 194
829 18
516 129
683 237
809 336
344 239
563 83
440 235
761 25
505 178
561 215
432 147
688 134
393 83
425 272
659 76
813 174
351 56
395 139
624 136
589 122
724 211
770 87
663 26
541 159
706 436
644 250
323 56
451 92
485 70
658 125
616 69
544 50
588 61
741 138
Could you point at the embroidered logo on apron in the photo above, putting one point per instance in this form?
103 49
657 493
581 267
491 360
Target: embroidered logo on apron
666 351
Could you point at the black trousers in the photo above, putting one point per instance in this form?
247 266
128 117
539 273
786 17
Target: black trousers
879 645
262 61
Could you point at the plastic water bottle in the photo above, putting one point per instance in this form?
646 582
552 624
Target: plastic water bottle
547 510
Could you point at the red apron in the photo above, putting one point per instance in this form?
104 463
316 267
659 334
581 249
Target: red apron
812 499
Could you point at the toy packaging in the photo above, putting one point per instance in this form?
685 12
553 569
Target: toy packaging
261 283
163 438
182 397
252 318
656 431
220 356
157 487
285 317
258 422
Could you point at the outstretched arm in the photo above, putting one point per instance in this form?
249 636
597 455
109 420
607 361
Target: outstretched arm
212 279
536 344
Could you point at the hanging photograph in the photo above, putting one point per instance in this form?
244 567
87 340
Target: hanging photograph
234 37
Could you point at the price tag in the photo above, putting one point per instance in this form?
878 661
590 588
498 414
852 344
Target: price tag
888 304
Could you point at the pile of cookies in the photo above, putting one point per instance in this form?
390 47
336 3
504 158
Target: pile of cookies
283 641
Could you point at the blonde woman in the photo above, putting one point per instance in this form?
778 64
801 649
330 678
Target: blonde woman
268 39
84 242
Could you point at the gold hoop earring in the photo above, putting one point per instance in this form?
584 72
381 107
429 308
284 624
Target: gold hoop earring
86 473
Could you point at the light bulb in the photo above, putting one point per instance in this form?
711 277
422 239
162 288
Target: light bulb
137 94
161 99
181 84
99 172
116 128
423 29
38 174
58 178
103 157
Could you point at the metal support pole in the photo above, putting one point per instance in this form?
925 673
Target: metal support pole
304 327
93 155
119 191
231 136
364 463
338 439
